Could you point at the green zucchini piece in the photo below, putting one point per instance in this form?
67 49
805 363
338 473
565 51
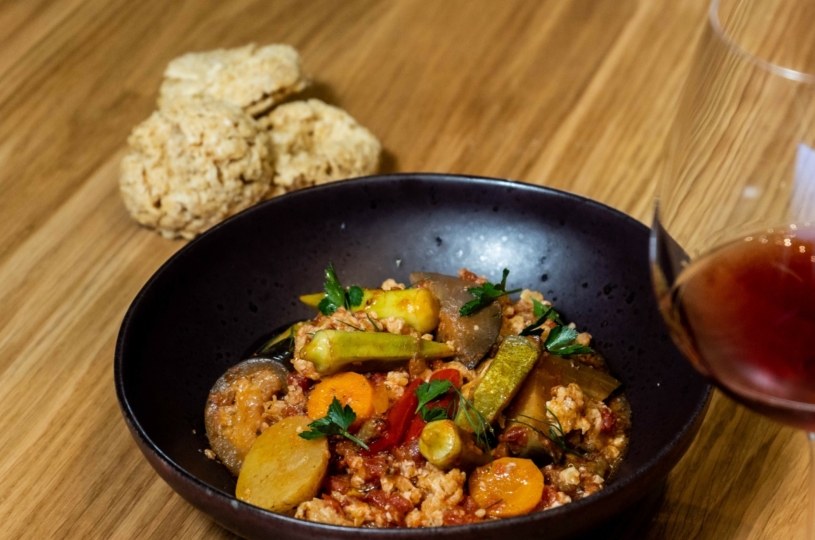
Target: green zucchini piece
332 350
503 379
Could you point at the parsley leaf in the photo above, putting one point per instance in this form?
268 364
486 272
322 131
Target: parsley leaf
485 295
539 309
535 329
354 296
335 422
335 295
559 340
429 391
436 413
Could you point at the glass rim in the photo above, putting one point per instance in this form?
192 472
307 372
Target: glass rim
787 73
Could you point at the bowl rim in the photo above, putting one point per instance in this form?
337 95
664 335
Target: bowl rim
650 468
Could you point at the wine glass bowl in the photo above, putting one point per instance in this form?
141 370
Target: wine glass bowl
733 248
733 239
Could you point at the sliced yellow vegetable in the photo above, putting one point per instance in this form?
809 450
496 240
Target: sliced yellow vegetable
285 334
507 487
444 445
282 469
418 307
332 350
553 371
503 378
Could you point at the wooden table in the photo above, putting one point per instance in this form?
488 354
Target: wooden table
573 94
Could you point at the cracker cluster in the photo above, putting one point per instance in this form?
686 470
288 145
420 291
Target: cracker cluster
221 141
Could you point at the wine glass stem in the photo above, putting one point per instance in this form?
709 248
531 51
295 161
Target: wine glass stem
811 502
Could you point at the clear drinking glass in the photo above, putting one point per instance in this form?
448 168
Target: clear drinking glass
733 241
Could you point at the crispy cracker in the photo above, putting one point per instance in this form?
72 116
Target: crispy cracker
254 78
192 164
314 143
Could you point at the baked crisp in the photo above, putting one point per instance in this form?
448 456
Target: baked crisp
192 164
315 143
254 78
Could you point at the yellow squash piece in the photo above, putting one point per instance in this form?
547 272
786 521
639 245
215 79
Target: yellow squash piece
503 378
332 350
418 307
282 469
444 445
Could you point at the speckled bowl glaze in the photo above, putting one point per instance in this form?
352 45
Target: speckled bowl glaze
210 304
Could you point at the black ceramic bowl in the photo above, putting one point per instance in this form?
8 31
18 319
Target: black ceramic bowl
211 302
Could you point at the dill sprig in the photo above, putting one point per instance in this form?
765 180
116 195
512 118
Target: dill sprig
351 325
370 320
555 434
481 426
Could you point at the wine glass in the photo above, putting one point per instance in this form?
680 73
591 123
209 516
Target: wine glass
733 240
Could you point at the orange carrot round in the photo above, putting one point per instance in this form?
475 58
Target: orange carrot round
350 389
507 487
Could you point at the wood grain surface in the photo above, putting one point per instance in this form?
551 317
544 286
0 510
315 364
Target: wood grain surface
573 94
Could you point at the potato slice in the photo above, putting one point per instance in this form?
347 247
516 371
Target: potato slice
283 469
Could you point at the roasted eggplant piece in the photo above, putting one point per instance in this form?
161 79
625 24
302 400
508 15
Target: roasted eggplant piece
332 350
472 336
234 411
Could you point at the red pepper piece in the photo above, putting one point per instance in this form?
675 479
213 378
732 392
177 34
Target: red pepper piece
399 418
415 430
417 425
452 375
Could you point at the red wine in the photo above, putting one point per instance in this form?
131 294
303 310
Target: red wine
745 315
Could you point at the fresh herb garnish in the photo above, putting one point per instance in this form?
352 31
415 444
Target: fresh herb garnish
555 434
431 390
481 427
358 329
335 295
538 309
370 320
485 295
431 414
559 339
535 328
354 296
335 422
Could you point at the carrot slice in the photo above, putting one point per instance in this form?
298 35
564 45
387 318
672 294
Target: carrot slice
507 487
350 389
